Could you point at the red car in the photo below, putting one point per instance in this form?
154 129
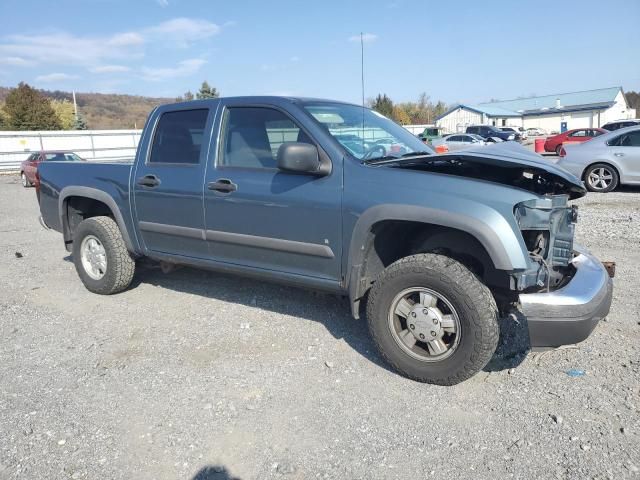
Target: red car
29 167
554 144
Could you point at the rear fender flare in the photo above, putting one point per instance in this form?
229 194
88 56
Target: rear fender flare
95 194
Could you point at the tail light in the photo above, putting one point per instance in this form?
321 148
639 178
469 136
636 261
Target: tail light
442 149
563 152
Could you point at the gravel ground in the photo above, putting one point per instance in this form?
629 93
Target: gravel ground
195 375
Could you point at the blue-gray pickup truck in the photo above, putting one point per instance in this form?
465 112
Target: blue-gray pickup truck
336 197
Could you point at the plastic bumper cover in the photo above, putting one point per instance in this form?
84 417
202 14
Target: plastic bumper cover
569 315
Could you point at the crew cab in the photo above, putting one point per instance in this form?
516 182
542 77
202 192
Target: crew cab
429 247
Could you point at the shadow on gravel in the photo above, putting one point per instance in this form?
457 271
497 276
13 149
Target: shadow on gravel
513 345
333 311
214 472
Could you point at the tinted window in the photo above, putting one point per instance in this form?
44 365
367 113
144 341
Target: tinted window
631 139
465 139
579 133
454 138
472 129
178 137
253 135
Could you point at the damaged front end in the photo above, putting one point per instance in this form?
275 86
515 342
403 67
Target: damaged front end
548 227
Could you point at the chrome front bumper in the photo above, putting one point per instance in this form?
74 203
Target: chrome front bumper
569 315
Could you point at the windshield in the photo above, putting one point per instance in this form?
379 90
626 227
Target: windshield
364 133
62 157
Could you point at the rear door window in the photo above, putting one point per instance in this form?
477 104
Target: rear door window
178 137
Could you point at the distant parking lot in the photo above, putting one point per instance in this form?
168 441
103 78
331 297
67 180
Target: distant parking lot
196 375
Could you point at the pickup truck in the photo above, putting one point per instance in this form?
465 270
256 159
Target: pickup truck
431 247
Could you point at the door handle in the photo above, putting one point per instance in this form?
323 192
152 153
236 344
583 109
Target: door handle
150 181
619 154
223 185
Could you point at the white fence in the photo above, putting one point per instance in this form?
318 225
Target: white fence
89 144
106 144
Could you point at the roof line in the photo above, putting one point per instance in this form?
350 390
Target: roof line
550 95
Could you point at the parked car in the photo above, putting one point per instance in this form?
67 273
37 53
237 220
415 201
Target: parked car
487 131
430 133
459 141
631 122
536 132
578 135
29 166
606 161
521 132
434 244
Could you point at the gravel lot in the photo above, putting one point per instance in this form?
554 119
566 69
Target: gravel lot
195 375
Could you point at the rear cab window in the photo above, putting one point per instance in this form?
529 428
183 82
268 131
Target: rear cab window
178 137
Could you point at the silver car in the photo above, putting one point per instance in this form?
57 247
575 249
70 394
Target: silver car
605 161
459 141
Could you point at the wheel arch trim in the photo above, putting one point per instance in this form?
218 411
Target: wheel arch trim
94 194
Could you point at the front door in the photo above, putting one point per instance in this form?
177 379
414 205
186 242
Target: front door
168 184
626 151
260 217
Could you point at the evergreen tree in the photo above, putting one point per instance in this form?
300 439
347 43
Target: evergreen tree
383 104
79 123
27 109
188 96
206 91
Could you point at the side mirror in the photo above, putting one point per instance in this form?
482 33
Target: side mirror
297 157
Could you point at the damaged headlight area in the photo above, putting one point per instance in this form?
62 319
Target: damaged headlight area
548 227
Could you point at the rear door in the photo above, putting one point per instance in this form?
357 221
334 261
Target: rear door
260 217
168 183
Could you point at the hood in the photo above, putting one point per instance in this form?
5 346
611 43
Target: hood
507 163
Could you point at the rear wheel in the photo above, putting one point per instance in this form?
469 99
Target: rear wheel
558 148
101 257
601 178
432 319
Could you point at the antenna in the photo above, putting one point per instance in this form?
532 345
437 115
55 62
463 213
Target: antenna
362 81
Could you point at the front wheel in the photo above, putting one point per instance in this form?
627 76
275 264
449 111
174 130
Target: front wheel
101 257
432 319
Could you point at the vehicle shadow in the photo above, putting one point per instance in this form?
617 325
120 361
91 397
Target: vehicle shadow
214 472
333 311
514 343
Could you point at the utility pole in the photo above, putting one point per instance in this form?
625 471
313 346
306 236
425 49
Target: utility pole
75 106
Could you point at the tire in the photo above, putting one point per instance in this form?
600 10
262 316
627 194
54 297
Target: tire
605 173
118 268
558 148
471 301
25 181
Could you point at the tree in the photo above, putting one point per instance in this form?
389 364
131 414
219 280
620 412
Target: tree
3 121
206 91
400 115
65 113
383 104
188 96
79 123
633 99
27 109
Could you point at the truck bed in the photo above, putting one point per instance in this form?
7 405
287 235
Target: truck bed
110 177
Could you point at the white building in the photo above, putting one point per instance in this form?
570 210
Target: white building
563 111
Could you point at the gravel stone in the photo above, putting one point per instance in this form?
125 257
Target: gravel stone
87 369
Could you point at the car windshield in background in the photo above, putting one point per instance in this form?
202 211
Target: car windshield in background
366 134
62 157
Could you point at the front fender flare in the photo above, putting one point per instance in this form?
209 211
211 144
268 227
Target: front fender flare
498 237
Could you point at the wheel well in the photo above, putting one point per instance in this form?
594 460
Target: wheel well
584 173
391 240
77 209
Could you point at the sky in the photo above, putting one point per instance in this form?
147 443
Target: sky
462 51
